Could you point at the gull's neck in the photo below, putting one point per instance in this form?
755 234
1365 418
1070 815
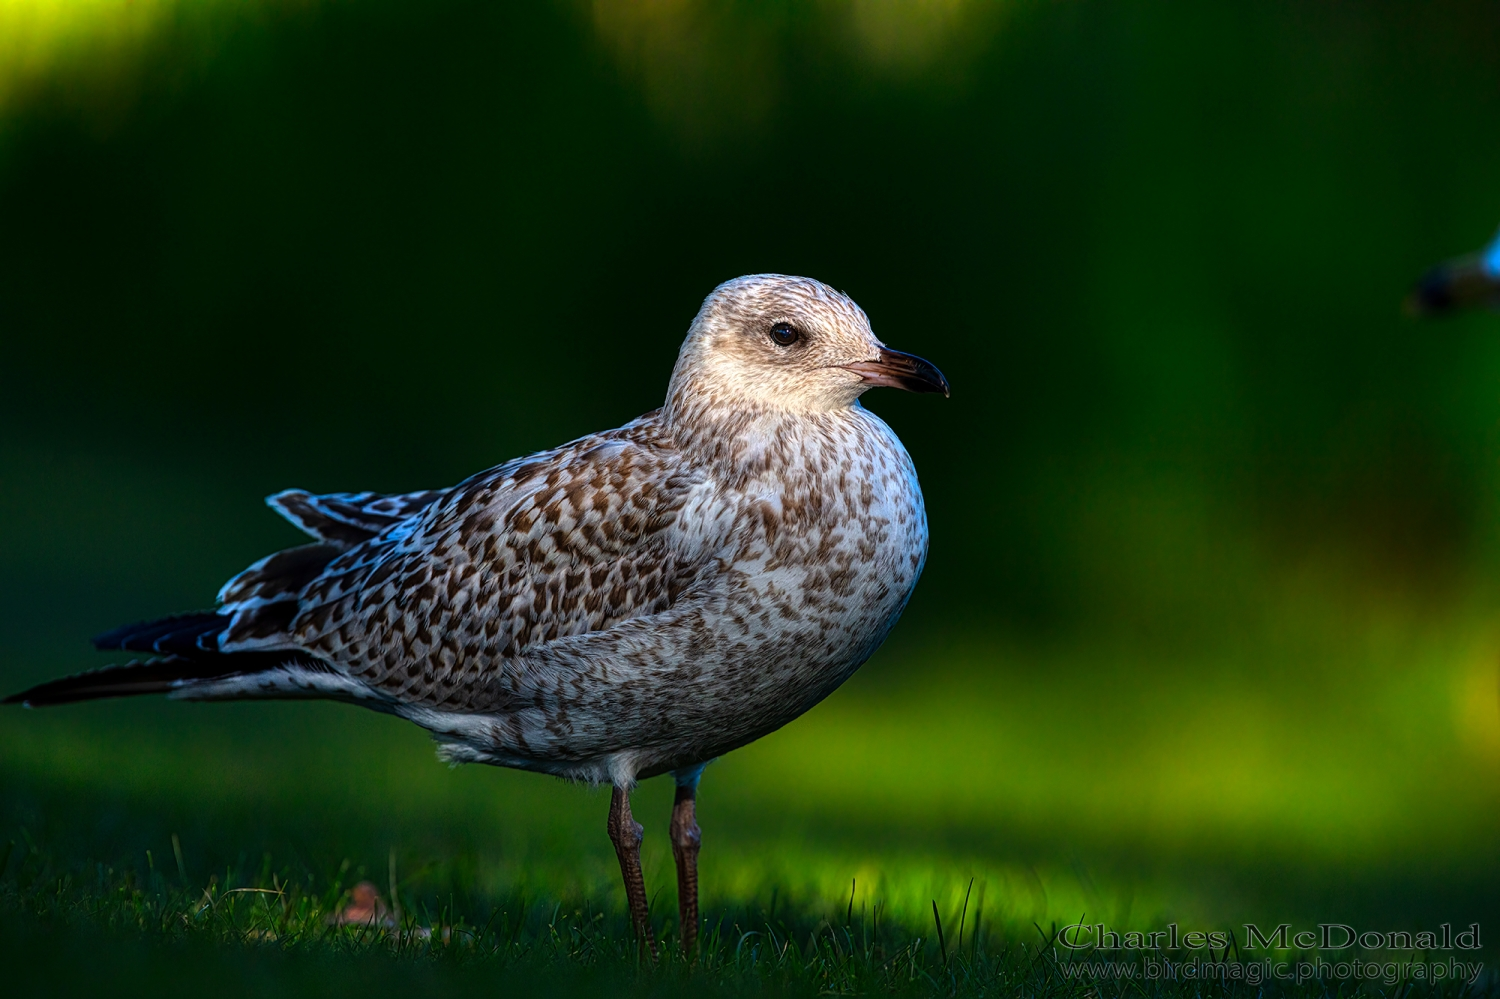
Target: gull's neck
743 440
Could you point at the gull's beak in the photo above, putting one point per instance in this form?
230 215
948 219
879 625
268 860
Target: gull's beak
902 371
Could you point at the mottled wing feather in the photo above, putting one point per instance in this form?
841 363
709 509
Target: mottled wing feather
347 519
262 600
562 543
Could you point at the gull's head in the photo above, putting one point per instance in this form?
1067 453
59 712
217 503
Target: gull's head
769 342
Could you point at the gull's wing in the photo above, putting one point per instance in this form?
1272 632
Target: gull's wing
563 543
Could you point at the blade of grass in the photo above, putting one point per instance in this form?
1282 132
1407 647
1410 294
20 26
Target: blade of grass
963 913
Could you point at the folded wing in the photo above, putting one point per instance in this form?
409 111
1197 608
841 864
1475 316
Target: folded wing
426 598
563 543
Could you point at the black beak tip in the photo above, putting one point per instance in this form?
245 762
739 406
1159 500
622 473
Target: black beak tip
920 375
935 381
938 386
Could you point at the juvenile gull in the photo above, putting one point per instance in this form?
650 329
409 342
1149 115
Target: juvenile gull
637 602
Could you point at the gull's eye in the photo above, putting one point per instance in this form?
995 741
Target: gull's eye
785 334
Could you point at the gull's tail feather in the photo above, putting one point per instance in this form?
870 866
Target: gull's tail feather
185 648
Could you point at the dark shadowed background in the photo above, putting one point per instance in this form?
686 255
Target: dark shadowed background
1211 624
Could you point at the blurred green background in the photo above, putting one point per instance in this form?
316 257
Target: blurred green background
1211 624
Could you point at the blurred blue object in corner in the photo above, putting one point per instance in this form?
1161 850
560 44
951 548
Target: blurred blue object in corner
1458 284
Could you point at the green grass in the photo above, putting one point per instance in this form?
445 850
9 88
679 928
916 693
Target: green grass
971 778
144 931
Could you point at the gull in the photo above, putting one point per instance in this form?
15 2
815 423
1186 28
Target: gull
637 602
1455 284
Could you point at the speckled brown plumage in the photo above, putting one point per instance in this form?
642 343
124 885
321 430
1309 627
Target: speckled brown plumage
635 602
558 544
639 600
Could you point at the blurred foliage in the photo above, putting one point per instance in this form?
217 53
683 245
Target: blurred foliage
1209 623
1158 248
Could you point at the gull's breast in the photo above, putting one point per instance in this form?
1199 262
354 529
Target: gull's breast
832 543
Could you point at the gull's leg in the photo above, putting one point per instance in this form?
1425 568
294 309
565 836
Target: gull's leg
626 833
685 841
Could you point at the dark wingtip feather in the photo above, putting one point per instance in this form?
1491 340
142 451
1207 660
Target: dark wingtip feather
183 648
154 677
177 634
